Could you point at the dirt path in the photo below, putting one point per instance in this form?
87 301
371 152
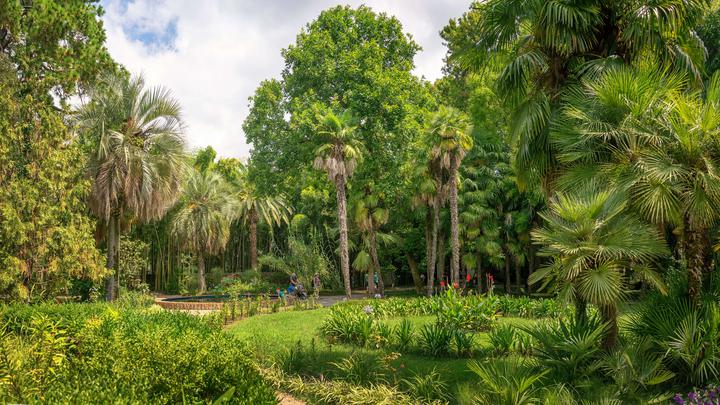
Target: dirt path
286 399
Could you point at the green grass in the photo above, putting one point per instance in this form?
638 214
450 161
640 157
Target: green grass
273 333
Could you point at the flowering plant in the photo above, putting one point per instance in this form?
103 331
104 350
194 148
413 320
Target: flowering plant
707 396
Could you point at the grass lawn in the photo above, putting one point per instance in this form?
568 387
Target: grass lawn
273 333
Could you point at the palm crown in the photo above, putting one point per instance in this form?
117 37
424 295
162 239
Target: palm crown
138 162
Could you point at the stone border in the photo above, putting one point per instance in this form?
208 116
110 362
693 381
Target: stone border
195 306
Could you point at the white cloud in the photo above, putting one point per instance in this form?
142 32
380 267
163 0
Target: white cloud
222 49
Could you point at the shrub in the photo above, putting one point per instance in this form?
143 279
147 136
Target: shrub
508 382
100 353
429 387
687 336
329 392
568 348
469 313
463 343
435 340
404 335
502 339
361 369
637 373
297 359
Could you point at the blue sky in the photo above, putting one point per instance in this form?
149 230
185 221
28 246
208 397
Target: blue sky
213 53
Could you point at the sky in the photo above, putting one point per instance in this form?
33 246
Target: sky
213 53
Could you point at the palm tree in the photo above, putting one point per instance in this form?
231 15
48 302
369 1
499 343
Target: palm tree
594 243
449 132
202 221
546 46
369 216
339 157
254 209
640 131
136 165
429 192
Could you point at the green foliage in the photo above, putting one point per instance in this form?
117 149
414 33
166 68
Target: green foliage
471 313
686 336
509 382
435 340
568 348
526 307
361 369
427 387
46 237
58 46
303 259
298 359
139 355
637 373
133 264
404 335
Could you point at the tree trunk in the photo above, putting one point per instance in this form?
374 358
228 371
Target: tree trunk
698 255
518 278
429 254
253 239
342 223
110 262
609 316
201 273
417 281
531 268
376 262
507 270
580 309
432 259
441 257
454 224
479 273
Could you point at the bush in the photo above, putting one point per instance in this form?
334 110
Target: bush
688 337
568 348
428 387
99 353
508 382
471 312
435 340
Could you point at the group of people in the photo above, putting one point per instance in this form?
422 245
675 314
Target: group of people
296 289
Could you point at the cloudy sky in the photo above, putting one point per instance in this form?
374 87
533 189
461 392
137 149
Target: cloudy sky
214 53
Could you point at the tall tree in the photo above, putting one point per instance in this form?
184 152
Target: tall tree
256 209
642 132
202 222
46 236
54 45
449 131
137 162
594 244
339 157
369 215
546 46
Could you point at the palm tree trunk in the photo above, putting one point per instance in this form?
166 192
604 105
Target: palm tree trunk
253 239
609 316
201 272
479 273
432 258
454 224
441 257
110 262
376 262
507 269
580 309
518 280
698 256
417 281
531 268
342 223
